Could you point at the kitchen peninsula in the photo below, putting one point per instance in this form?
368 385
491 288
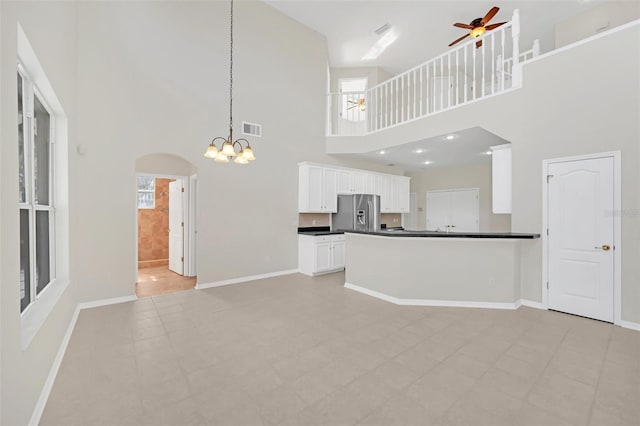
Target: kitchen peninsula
437 268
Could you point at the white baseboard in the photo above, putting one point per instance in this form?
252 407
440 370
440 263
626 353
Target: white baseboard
53 372
532 304
200 286
105 302
433 302
630 325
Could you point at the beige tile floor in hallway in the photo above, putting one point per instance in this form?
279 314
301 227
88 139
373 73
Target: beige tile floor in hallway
295 350
159 280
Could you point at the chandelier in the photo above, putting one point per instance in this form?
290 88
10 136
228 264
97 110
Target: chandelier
240 148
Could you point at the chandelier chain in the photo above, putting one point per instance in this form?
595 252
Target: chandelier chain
231 72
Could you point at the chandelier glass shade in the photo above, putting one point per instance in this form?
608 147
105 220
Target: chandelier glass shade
229 148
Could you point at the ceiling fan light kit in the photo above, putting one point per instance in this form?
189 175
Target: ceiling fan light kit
478 27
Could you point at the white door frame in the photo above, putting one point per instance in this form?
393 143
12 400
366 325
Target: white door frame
617 228
188 214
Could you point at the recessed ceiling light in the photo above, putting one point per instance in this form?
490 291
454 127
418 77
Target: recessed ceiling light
427 162
382 152
450 137
419 151
488 152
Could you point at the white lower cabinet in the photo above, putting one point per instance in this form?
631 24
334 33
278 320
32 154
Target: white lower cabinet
321 254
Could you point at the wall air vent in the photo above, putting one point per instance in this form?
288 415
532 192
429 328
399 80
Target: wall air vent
251 129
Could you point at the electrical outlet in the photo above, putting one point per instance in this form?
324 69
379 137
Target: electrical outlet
313 222
395 220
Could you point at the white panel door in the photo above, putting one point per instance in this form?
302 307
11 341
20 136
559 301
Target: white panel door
581 244
438 211
456 210
176 228
463 210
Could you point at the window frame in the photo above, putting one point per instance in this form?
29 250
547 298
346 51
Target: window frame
146 191
355 114
30 92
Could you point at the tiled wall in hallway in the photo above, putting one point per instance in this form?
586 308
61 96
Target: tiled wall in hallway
153 229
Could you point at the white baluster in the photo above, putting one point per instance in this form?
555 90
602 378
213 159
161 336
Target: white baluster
449 82
536 48
473 60
415 95
421 89
466 77
457 76
484 49
401 107
493 63
441 83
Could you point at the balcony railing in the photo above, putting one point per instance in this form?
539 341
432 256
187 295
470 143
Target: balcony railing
461 75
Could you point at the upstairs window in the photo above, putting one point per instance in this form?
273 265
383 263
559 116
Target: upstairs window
353 98
35 191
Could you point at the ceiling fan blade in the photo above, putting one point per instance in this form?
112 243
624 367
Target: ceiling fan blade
465 26
478 44
490 14
493 26
460 39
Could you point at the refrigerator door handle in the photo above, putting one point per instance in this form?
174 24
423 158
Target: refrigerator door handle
370 218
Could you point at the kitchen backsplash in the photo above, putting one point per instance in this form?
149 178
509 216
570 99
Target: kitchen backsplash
391 219
313 219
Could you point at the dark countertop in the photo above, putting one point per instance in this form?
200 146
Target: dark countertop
432 234
316 231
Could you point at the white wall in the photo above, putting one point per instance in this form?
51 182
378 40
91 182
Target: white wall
602 17
140 78
163 73
466 176
577 101
374 76
51 29
164 164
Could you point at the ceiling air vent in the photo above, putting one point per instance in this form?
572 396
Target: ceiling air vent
251 129
383 29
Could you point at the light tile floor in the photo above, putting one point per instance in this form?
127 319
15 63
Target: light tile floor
159 280
297 351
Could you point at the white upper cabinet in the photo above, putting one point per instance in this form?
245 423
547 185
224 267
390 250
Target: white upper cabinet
317 189
401 194
501 178
319 186
355 182
344 182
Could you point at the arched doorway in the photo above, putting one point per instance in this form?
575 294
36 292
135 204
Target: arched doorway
165 244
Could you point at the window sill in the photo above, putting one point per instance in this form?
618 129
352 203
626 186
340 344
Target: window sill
37 313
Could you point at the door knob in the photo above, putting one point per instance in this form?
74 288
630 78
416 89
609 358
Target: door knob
604 247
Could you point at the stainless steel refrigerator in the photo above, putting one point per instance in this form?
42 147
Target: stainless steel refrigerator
358 212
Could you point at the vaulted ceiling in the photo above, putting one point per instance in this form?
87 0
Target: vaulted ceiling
424 27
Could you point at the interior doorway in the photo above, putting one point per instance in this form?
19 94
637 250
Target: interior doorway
166 234
582 236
